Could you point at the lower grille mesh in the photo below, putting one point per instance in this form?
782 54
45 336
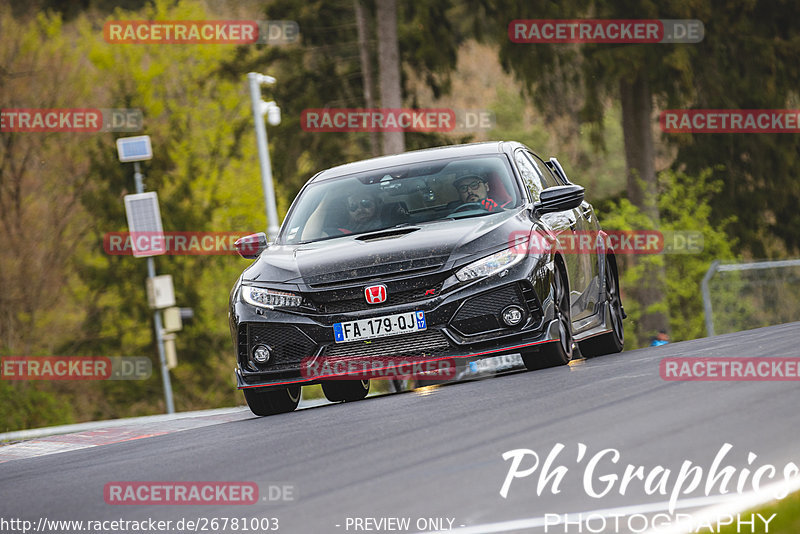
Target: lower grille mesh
481 313
290 345
425 343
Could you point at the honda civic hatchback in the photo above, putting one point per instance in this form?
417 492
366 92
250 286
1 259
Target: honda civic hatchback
421 259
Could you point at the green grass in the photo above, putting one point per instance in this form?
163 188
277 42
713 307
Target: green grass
787 520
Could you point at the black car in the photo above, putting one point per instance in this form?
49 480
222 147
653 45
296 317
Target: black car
421 257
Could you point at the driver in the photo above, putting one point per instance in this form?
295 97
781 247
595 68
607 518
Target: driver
473 188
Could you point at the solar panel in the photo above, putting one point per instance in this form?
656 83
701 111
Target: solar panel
134 148
144 224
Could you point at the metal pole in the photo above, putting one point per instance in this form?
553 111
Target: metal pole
707 297
151 273
255 80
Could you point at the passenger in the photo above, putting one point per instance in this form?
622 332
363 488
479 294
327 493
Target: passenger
364 212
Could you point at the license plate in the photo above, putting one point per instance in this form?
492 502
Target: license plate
497 363
387 325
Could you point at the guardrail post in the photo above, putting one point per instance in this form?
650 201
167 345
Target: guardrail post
707 298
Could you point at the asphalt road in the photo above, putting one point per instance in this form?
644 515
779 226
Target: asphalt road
437 453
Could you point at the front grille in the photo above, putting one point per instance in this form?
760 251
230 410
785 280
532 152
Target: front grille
289 344
481 313
425 343
360 303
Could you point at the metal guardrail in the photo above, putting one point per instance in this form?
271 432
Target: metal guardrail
716 266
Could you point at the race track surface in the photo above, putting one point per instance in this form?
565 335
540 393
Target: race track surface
437 452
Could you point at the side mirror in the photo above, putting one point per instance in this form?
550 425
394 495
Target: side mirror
251 246
559 198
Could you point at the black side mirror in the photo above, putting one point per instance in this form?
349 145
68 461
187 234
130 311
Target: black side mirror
559 198
251 246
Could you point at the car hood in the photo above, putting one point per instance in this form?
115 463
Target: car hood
427 247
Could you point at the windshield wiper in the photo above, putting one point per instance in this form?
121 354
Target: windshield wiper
467 214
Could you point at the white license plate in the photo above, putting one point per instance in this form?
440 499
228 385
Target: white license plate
497 363
387 325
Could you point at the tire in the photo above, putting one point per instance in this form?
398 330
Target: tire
610 342
272 401
560 353
345 390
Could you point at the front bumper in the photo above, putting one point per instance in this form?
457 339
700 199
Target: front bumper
462 325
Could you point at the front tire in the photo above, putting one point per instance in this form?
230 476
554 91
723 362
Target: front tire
613 341
345 390
264 401
560 352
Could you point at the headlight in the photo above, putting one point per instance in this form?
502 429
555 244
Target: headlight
270 298
490 264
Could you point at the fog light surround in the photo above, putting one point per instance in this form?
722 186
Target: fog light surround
512 315
261 353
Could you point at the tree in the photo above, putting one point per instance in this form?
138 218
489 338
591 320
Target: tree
366 67
325 69
42 221
748 60
636 75
389 69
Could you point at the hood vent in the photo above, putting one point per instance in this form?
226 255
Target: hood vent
387 234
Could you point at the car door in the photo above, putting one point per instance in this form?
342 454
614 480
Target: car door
581 263
561 223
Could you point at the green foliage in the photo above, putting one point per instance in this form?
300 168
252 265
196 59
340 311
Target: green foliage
196 108
684 204
27 405
748 60
601 172
786 518
203 170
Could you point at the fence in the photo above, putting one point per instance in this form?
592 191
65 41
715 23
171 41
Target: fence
751 295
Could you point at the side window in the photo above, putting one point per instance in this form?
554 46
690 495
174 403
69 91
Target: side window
548 179
531 175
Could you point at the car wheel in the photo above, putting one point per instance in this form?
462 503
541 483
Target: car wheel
345 390
272 401
613 341
557 353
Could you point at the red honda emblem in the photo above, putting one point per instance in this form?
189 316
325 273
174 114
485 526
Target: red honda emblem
375 294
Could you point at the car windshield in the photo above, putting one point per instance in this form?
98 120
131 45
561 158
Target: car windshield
405 195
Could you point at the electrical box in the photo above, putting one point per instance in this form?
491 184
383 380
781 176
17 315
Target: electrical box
170 354
160 292
172 319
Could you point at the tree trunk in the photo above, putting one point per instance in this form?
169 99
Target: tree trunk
366 70
639 151
651 290
389 70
